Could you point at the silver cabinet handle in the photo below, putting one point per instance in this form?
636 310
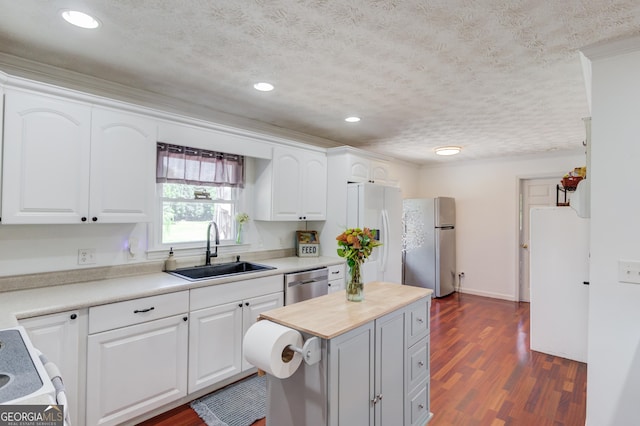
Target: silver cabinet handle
420 364
421 406
420 320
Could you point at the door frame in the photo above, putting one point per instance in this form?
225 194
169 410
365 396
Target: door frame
519 193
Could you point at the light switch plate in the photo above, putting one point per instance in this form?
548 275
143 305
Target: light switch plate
629 271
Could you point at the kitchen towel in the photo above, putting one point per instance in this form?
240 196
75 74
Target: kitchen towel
239 404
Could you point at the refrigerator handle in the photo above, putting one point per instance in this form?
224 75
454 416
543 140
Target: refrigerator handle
385 240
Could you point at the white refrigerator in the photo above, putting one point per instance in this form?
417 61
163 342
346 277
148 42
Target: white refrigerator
379 208
559 277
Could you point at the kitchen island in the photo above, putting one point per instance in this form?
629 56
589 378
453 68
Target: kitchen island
374 366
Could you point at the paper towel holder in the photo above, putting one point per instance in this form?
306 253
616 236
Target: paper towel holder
310 351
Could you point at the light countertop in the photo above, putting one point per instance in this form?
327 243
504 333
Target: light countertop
332 315
18 304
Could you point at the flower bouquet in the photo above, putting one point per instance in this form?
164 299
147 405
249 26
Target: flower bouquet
356 245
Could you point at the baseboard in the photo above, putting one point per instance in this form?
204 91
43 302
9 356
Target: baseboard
508 297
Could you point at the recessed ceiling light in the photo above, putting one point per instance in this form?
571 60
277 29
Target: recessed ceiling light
352 119
263 87
447 150
80 19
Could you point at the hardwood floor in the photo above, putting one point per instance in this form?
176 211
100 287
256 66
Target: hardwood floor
482 371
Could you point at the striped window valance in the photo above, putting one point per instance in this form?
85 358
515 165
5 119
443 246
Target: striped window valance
194 166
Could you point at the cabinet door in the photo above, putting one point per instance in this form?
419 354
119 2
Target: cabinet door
215 345
287 177
57 336
389 378
46 159
359 169
314 187
351 378
379 172
252 310
135 369
123 153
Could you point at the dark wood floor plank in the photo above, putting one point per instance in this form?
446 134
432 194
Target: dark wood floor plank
482 371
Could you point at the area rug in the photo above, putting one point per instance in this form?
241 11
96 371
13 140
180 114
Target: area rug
239 404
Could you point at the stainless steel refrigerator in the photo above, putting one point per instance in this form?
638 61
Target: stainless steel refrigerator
429 244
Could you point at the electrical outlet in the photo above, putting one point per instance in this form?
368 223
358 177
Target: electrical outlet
629 271
86 256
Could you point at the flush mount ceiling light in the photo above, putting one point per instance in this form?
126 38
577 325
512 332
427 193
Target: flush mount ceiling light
447 150
263 87
80 19
352 119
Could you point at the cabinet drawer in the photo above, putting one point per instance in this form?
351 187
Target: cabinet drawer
417 321
418 360
136 311
336 272
419 405
219 294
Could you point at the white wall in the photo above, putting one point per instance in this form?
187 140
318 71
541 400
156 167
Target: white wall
486 196
614 310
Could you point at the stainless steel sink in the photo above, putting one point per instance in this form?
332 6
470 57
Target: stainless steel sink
197 273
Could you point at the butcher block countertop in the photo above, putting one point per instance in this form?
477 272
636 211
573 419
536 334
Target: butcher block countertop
332 315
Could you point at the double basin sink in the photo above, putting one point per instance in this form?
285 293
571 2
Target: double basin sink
196 273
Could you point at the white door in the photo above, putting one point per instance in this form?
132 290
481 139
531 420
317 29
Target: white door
132 370
46 159
533 193
287 175
252 310
215 344
57 336
314 187
123 152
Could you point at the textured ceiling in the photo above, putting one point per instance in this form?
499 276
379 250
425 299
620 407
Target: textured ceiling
496 77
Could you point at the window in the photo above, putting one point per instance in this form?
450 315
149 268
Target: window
188 209
196 187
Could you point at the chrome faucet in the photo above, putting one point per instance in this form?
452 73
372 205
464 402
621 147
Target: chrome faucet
208 255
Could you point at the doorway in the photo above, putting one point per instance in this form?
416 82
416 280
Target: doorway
533 192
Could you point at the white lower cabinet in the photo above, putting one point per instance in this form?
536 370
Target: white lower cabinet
336 278
58 337
215 345
133 369
220 316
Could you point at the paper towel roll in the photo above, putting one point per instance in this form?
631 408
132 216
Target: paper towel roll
265 345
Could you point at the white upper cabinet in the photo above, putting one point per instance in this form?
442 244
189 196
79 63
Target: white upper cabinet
66 163
45 159
367 170
123 152
292 186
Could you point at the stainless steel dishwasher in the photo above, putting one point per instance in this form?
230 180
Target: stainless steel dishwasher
303 285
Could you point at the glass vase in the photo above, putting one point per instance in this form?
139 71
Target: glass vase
239 234
355 287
